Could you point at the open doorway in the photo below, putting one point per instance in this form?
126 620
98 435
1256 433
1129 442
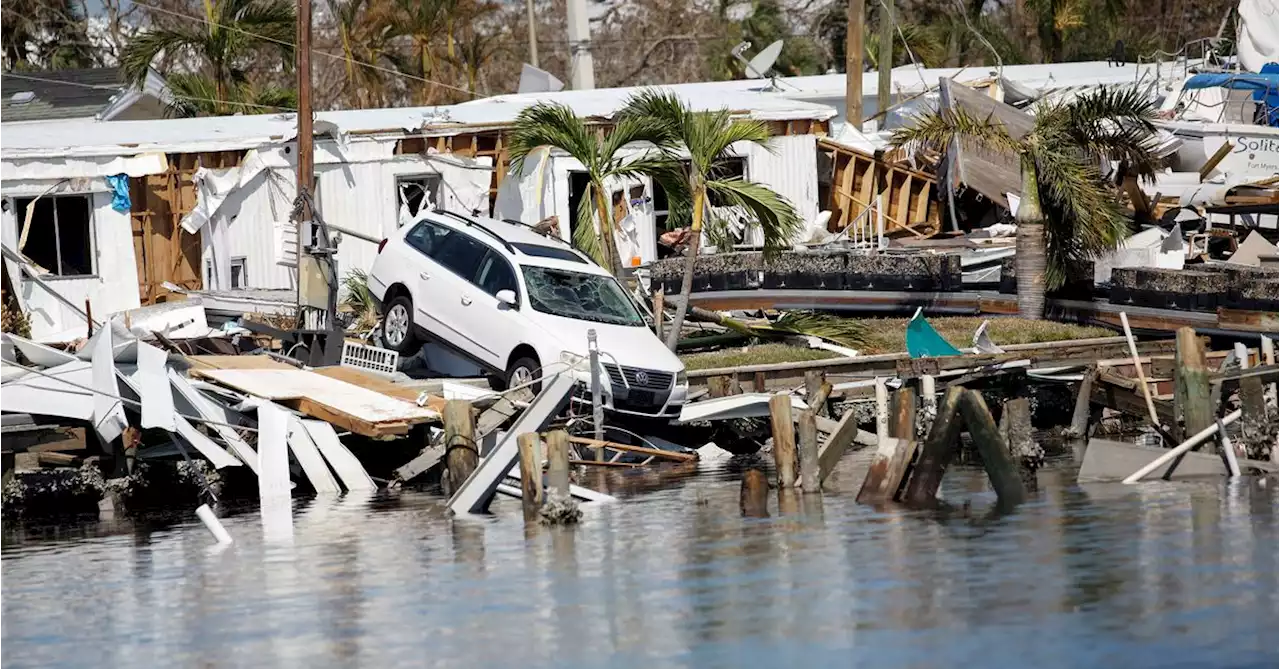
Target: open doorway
578 182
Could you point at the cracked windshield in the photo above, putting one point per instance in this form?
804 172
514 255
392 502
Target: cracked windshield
575 295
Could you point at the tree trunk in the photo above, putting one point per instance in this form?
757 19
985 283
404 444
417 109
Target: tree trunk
1030 248
609 243
686 284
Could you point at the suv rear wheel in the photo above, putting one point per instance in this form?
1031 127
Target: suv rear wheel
397 326
522 370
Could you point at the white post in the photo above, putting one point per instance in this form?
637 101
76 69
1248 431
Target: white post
597 401
929 402
1268 351
581 67
882 410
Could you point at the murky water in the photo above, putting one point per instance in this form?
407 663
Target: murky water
1157 575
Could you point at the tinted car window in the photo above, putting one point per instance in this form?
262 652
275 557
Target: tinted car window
461 254
428 237
495 274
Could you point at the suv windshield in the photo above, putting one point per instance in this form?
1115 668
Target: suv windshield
587 297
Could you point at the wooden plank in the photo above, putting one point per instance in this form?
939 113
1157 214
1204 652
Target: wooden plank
1191 386
378 384
638 450
531 494
346 404
904 202
236 362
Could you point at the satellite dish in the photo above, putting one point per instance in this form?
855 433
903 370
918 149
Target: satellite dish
534 80
759 66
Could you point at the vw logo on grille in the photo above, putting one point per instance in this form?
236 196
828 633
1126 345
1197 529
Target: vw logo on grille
642 378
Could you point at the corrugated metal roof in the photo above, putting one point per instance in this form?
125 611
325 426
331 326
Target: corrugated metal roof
88 138
51 100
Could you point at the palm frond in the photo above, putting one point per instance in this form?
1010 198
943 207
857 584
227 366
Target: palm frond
359 300
193 95
1115 124
136 57
662 107
845 331
1083 216
548 124
775 215
629 129
936 130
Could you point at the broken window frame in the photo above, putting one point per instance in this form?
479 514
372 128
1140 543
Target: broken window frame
434 184
243 263
55 273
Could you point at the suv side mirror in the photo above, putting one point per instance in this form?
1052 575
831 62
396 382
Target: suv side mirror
507 298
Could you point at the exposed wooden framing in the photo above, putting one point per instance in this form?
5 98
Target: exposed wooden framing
909 203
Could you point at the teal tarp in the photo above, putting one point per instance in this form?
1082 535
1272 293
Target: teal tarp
925 342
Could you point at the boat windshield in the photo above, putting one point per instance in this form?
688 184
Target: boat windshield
587 297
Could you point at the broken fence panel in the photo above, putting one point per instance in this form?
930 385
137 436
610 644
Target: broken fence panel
313 465
108 411
206 409
152 383
348 468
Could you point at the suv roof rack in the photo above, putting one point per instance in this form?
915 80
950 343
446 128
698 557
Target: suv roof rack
475 224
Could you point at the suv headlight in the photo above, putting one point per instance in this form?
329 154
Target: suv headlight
573 360
682 378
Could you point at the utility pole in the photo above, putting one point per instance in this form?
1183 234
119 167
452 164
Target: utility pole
853 63
533 34
307 267
884 59
581 67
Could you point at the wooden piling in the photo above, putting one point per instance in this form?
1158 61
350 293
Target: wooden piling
902 415
735 386
1001 469
936 453
1254 426
754 498
784 440
758 383
1015 423
1080 415
814 380
1192 399
558 464
462 453
810 480
530 475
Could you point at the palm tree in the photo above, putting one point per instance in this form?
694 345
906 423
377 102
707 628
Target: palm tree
707 137
423 21
364 30
221 49
555 125
1068 211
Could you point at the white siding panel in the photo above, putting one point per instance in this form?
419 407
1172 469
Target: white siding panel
791 170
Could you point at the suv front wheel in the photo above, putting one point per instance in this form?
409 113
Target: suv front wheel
397 327
521 371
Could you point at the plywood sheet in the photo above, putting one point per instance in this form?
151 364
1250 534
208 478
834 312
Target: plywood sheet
323 397
366 380
237 362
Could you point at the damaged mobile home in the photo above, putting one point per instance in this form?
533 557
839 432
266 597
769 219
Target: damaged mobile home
125 212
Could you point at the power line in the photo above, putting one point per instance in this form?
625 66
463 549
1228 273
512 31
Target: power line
173 95
315 51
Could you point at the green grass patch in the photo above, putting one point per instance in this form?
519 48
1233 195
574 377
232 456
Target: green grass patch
887 335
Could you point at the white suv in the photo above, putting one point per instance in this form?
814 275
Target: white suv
515 301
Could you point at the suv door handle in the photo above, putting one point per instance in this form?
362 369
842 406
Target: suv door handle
424 276
466 301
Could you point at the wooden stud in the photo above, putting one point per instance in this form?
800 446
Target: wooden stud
784 440
837 442
1080 416
1191 384
1000 467
530 475
462 453
810 479
937 451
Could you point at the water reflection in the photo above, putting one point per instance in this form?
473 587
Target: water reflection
1098 575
